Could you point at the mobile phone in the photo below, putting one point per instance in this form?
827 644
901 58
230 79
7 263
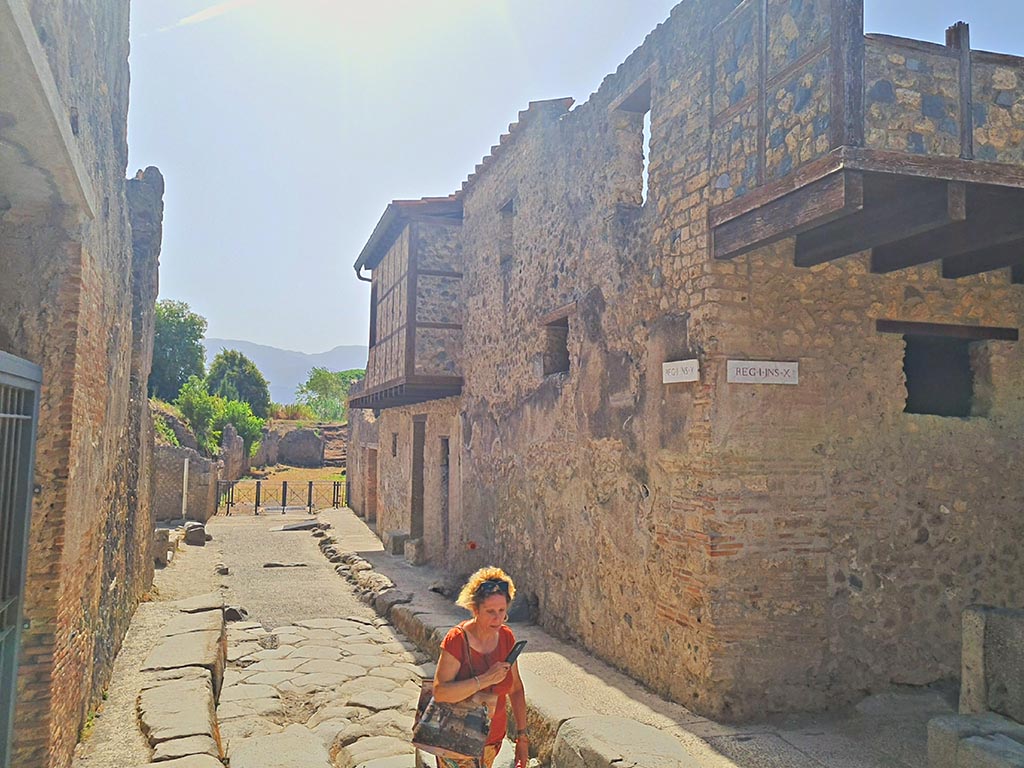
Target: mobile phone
514 653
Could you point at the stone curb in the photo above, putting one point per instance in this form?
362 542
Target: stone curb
563 731
177 703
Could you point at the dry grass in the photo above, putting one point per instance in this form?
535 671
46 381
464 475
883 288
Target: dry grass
282 473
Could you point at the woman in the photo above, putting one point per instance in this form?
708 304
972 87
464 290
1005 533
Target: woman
483 675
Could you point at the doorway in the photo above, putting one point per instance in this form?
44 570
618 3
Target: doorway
419 438
19 408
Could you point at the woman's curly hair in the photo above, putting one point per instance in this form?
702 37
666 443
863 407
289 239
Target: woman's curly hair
468 597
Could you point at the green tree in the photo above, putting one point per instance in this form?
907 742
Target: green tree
326 392
177 348
239 414
234 376
199 407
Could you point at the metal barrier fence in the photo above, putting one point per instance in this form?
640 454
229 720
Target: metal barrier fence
256 496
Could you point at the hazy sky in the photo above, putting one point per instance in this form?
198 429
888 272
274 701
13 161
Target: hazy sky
284 127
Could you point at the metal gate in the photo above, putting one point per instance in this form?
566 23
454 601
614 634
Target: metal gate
257 496
19 408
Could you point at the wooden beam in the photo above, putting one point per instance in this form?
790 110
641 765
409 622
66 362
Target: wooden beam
996 257
973 332
931 166
801 177
995 216
847 59
896 209
833 197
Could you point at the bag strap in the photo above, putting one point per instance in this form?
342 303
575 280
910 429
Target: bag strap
469 651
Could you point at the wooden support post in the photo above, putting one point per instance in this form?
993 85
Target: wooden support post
958 37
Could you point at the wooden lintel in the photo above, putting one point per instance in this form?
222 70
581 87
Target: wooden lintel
995 216
907 209
558 314
974 332
932 167
996 257
833 197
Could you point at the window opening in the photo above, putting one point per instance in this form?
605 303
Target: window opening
373 315
638 104
946 367
647 157
556 346
940 379
419 437
394 444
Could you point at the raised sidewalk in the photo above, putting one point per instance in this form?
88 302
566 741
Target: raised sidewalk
582 712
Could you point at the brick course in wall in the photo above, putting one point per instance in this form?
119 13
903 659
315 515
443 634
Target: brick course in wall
743 549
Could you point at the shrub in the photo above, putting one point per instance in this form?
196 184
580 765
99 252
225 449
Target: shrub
240 415
163 430
293 412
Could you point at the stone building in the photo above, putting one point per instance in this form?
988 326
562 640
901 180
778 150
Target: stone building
829 227
78 280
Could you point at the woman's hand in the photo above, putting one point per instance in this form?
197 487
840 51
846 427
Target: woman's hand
495 674
522 752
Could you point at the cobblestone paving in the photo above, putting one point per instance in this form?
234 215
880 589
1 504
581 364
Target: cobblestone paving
348 685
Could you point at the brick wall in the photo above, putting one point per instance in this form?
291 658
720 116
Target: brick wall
77 300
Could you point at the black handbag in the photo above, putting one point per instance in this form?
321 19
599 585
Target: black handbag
457 730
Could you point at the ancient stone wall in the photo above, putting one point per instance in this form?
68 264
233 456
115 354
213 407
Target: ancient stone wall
169 478
740 548
233 454
449 537
75 300
361 466
301 448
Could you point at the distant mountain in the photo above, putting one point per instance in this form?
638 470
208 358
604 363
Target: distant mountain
285 369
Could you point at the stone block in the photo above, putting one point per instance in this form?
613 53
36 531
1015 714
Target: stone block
192 761
603 742
205 649
205 621
415 552
547 707
211 601
995 751
388 599
195 534
295 746
394 542
992 662
161 544
947 733
177 710
191 745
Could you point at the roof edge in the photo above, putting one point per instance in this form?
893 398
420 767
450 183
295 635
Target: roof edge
395 216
